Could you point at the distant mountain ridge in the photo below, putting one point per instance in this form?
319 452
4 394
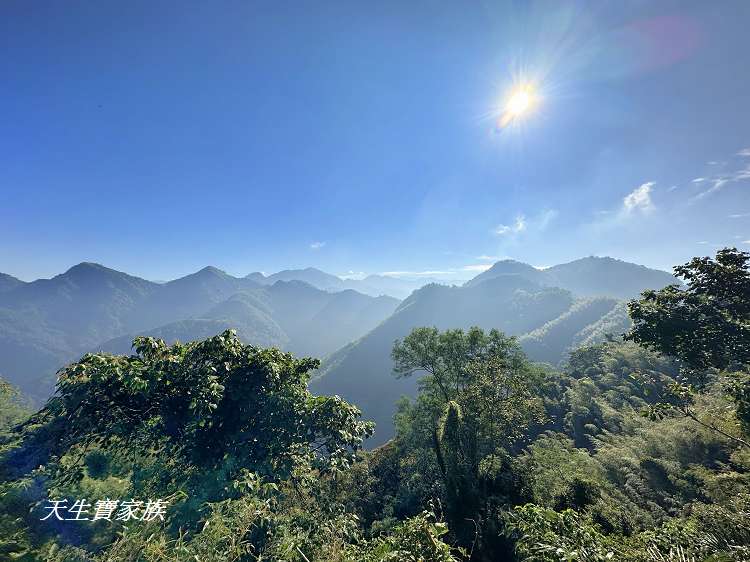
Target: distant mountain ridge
591 276
373 285
47 323
8 282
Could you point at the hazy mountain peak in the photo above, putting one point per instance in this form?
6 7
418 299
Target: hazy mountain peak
91 272
256 276
8 282
512 266
211 270
508 267
589 276
87 267
208 273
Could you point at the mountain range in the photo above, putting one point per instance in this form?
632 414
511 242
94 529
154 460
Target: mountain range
551 311
591 276
373 285
47 323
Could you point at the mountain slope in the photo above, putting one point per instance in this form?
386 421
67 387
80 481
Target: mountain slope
241 312
293 316
187 297
47 323
595 276
362 372
87 302
8 282
552 340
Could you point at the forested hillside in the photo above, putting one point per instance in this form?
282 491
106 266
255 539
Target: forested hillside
635 449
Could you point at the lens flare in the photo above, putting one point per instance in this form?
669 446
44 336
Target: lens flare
519 103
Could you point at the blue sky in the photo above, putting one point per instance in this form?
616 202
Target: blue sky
160 137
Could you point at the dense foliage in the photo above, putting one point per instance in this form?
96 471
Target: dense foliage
633 450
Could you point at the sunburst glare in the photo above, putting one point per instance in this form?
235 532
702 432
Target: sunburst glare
521 100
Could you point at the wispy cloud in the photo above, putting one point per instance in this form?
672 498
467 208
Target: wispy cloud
450 274
739 215
485 257
518 226
543 219
639 200
355 275
716 182
428 273
716 185
477 267
317 245
537 223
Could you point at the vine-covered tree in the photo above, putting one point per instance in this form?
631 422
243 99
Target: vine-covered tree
479 396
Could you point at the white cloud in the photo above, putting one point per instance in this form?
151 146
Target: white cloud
719 181
515 228
429 273
317 245
477 267
485 257
354 275
639 199
739 215
502 229
746 241
744 152
542 221
520 224
699 180
444 274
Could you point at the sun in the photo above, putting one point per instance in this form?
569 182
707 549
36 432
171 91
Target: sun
520 101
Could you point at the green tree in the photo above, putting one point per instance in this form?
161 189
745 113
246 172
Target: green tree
705 325
479 400
201 424
205 405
